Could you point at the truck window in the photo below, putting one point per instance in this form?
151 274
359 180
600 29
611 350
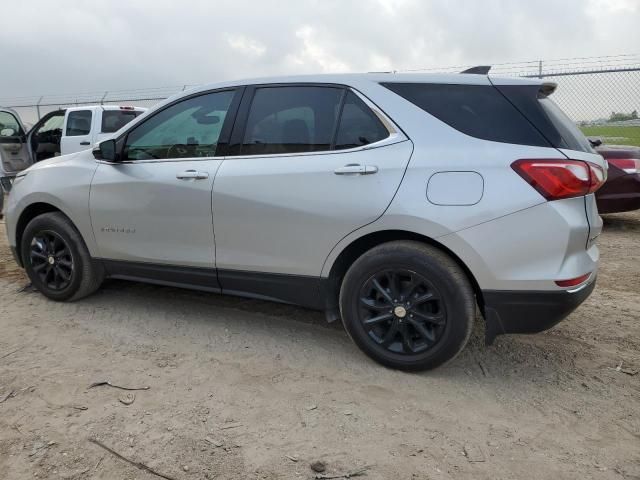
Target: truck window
78 123
114 120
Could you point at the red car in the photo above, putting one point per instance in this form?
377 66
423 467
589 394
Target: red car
621 192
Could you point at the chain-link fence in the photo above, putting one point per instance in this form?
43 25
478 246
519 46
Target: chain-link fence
602 95
605 104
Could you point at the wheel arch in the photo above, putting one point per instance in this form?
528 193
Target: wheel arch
359 246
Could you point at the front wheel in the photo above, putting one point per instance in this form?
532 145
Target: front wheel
57 260
407 305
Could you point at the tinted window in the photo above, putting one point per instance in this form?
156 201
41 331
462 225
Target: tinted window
477 110
291 120
114 120
188 129
572 136
358 124
78 123
540 110
9 128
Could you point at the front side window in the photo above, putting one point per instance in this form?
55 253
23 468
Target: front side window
9 128
291 120
359 126
188 129
78 123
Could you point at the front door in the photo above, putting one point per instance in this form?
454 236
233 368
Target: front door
14 153
315 164
154 206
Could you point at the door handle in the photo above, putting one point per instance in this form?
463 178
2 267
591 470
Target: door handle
356 169
85 143
192 175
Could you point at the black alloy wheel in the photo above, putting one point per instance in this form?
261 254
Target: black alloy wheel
52 260
402 311
407 305
57 260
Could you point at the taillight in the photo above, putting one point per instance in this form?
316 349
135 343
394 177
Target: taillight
572 282
629 165
557 179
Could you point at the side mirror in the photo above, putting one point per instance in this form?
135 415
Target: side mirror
106 151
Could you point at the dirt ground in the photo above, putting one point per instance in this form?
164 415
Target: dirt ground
242 389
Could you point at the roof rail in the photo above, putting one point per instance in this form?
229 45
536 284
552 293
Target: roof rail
480 70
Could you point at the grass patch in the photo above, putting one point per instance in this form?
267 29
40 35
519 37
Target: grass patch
614 135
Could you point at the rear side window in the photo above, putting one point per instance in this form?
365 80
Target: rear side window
480 111
78 123
114 120
291 120
358 125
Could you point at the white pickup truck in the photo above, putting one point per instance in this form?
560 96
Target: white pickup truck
57 133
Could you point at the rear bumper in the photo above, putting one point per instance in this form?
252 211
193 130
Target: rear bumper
529 311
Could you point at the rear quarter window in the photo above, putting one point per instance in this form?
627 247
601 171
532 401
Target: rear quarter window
480 111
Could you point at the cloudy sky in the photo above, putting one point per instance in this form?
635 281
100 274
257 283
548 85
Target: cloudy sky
65 46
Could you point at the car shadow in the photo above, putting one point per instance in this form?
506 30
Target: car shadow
517 359
621 222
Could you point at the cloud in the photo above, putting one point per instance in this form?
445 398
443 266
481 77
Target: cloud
75 46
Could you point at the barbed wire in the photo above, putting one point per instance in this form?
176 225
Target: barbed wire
523 68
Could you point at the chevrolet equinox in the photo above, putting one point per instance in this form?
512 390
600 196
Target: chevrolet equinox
398 203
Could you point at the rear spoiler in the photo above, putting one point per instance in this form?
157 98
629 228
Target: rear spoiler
479 70
547 89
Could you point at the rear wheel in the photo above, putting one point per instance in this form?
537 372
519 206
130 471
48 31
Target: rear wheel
57 260
407 305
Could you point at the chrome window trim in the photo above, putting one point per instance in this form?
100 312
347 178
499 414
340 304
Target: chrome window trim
161 160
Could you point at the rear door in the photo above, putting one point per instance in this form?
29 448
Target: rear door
77 130
14 153
309 164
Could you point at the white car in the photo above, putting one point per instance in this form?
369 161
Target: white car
60 132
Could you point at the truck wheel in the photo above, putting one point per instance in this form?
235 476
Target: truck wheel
57 260
407 305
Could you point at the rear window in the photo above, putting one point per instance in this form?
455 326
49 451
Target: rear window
570 133
547 117
114 120
480 111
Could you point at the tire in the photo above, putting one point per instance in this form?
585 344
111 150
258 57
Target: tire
429 321
57 260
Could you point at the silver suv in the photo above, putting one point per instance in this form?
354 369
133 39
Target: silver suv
398 203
